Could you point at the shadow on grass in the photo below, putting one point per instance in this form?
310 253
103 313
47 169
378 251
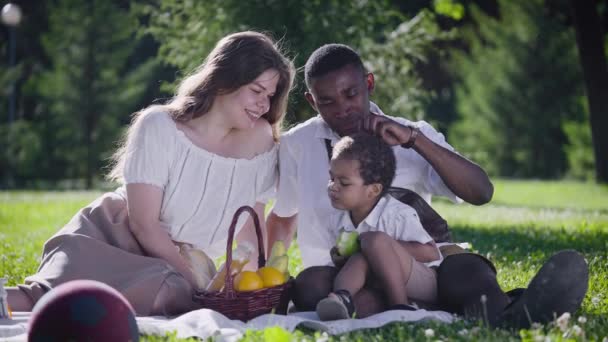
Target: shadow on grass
516 243
571 207
568 207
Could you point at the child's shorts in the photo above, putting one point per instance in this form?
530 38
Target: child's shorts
422 284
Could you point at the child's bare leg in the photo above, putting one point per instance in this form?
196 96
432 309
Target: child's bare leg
352 275
390 263
18 300
369 301
348 282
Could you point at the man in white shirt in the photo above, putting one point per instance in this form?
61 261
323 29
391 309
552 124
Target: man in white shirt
338 89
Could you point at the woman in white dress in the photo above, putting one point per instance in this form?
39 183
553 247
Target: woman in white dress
185 167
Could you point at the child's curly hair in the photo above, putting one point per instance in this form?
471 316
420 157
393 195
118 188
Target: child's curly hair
376 158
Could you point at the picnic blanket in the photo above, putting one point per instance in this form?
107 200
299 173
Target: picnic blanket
205 323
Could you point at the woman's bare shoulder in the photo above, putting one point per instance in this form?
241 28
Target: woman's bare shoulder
260 136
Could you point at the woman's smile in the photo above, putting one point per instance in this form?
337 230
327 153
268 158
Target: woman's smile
253 116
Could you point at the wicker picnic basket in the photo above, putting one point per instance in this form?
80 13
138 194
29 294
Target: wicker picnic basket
245 305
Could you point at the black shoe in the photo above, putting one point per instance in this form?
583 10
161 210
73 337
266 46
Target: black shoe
515 293
559 286
467 286
402 307
340 306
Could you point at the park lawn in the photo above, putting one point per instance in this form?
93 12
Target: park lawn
526 222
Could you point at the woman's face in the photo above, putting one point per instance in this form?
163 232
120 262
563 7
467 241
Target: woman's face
247 104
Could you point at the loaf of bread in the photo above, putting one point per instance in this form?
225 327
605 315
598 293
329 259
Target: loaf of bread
202 266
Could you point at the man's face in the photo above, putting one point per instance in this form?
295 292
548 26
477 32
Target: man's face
342 98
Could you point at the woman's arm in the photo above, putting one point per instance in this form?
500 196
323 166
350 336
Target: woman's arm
423 252
144 202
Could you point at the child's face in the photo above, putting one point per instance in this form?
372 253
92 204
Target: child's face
346 189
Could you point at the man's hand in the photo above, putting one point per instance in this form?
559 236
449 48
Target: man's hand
336 258
392 132
463 177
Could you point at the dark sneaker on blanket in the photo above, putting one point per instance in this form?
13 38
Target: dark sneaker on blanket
337 306
515 293
559 286
405 307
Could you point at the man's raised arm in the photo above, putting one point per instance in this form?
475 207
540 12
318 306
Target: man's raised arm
466 179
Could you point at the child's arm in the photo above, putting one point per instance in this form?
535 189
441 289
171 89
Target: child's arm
423 252
336 258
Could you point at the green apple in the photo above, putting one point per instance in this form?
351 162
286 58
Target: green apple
347 243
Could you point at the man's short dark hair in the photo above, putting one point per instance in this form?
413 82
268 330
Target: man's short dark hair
328 58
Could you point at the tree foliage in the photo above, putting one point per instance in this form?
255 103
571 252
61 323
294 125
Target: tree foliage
514 84
520 82
395 59
188 30
22 150
579 150
88 90
449 8
591 44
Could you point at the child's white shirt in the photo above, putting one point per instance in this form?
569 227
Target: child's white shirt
395 218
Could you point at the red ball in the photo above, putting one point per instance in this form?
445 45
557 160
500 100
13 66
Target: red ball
83 310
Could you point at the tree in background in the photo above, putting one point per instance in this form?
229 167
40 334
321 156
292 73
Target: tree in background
519 83
22 149
437 81
579 150
520 103
592 47
89 90
395 60
83 71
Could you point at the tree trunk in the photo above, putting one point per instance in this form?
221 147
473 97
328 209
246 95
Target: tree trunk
590 42
90 108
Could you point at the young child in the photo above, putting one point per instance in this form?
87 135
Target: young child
396 253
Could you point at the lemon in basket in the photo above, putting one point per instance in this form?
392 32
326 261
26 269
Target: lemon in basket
271 276
248 281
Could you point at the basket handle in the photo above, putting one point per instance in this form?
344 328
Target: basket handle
261 253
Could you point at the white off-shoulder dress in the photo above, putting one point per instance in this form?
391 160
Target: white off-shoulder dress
201 192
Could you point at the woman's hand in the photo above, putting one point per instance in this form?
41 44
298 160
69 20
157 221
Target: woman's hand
143 203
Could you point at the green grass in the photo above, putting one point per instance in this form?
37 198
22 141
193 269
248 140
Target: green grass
543 194
526 222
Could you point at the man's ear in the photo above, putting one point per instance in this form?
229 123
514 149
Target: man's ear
375 189
371 82
311 100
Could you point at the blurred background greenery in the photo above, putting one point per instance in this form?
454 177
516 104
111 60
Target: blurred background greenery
519 86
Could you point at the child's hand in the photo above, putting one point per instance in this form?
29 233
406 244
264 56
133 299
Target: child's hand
336 258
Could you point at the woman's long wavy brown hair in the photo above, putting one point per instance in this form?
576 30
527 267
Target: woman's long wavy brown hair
236 60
